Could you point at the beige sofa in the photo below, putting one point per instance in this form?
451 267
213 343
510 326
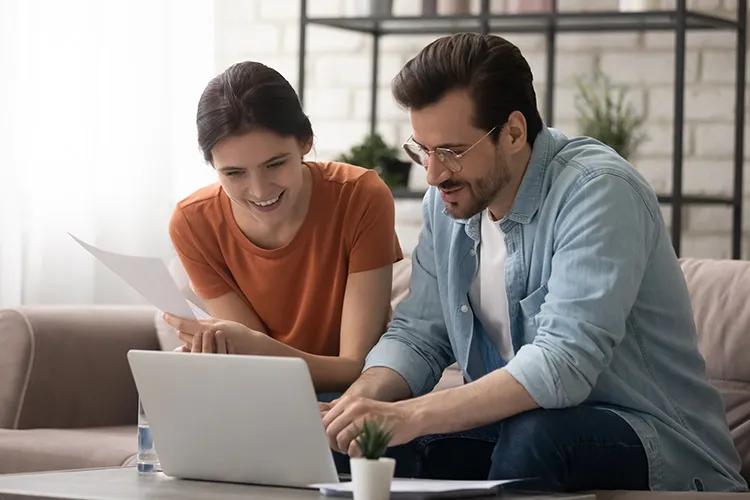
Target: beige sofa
67 398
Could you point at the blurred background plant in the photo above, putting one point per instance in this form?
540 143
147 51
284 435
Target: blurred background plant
607 115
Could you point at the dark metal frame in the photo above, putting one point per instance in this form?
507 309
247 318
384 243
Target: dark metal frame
679 20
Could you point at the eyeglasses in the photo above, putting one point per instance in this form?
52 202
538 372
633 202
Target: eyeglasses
449 158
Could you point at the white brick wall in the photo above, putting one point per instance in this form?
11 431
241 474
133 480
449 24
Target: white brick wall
338 98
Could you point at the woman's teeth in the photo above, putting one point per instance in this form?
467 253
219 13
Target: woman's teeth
267 202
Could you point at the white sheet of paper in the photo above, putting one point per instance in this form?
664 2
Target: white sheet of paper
150 277
423 488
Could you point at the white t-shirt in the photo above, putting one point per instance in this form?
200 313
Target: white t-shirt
487 293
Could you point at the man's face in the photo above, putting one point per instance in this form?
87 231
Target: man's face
483 170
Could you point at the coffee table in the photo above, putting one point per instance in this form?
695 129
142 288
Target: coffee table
124 483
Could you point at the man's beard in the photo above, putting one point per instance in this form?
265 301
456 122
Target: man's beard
481 192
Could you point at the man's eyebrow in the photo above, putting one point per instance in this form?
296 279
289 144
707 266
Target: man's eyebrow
447 145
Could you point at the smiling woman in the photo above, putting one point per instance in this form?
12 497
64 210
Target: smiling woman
292 258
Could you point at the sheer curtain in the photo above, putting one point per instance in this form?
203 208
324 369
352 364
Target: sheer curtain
97 138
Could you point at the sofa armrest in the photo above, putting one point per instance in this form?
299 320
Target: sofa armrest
66 366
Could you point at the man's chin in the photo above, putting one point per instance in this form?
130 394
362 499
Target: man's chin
459 212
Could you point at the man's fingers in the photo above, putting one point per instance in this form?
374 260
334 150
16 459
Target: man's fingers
345 440
334 411
221 342
353 450
197 342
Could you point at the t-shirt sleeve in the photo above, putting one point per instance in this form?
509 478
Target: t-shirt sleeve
371 225
205 280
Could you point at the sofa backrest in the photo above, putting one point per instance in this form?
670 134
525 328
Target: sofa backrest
720 296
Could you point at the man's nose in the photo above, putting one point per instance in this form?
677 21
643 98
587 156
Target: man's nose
437 173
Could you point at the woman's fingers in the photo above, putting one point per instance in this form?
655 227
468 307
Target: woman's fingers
197 342
221 342
191 326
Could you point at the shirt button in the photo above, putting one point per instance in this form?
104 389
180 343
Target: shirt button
472 252
464 308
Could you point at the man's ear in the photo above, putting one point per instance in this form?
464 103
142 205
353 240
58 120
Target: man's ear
516 132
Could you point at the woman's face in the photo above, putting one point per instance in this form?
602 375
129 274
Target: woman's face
261 172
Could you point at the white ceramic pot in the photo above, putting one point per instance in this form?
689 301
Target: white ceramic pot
371 479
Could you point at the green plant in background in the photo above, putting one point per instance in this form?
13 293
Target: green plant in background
375 154
369 152
372 440
606 115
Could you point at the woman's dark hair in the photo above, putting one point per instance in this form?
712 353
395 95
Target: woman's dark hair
489 67
249 95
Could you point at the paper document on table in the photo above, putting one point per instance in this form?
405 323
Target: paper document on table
416 488
150 277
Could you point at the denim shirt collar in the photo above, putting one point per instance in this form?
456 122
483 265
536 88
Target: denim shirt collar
529 194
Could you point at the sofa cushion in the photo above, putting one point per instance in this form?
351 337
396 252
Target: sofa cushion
719 291
55 449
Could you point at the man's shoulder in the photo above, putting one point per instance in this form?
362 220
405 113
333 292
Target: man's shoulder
581 161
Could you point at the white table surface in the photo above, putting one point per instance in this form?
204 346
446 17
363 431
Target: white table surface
124 483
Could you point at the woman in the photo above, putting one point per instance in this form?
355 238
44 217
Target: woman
291 258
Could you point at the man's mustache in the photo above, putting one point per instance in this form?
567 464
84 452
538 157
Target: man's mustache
451 184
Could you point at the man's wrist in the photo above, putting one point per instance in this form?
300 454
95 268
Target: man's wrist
422 416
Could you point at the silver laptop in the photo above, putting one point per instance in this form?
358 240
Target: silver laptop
243 419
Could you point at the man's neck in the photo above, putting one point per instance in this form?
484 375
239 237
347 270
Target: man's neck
505 198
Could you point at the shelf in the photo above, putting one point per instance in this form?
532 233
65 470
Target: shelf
606 21
698 200
408 194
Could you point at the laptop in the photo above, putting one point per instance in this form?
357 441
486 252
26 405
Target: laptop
240 419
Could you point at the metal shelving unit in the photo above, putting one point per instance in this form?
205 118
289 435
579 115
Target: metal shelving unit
679 21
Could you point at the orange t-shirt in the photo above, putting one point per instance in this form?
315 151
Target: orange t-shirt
296 290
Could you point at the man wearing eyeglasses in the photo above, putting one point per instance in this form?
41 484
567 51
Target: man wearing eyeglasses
545 271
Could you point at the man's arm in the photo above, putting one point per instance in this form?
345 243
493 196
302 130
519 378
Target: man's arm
492 398
605 239
416 345
381 384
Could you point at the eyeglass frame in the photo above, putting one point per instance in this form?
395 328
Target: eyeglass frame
442 152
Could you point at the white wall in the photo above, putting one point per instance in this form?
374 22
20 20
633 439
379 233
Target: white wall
338 75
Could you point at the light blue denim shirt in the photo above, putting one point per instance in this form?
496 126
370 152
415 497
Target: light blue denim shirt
599 310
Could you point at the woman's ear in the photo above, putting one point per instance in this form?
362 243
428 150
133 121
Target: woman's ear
305 146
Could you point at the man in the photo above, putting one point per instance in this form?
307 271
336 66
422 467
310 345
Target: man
545 270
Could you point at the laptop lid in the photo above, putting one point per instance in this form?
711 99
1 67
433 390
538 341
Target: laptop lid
244 419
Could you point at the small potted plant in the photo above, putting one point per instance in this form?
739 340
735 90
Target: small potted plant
372 473
606 115
375 154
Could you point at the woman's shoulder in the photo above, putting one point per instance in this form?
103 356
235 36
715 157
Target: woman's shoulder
206 195
201 207
345 177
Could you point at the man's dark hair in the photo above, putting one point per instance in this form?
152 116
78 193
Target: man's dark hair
249 95
489 67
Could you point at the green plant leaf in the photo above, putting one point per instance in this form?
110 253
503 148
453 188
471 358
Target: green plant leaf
372 440
605 114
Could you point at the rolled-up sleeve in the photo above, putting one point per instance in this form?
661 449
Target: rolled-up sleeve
416 345
605 234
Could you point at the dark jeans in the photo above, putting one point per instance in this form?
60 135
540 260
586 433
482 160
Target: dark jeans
571 449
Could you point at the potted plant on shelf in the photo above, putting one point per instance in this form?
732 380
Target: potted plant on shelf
372 473
374 153
606 115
